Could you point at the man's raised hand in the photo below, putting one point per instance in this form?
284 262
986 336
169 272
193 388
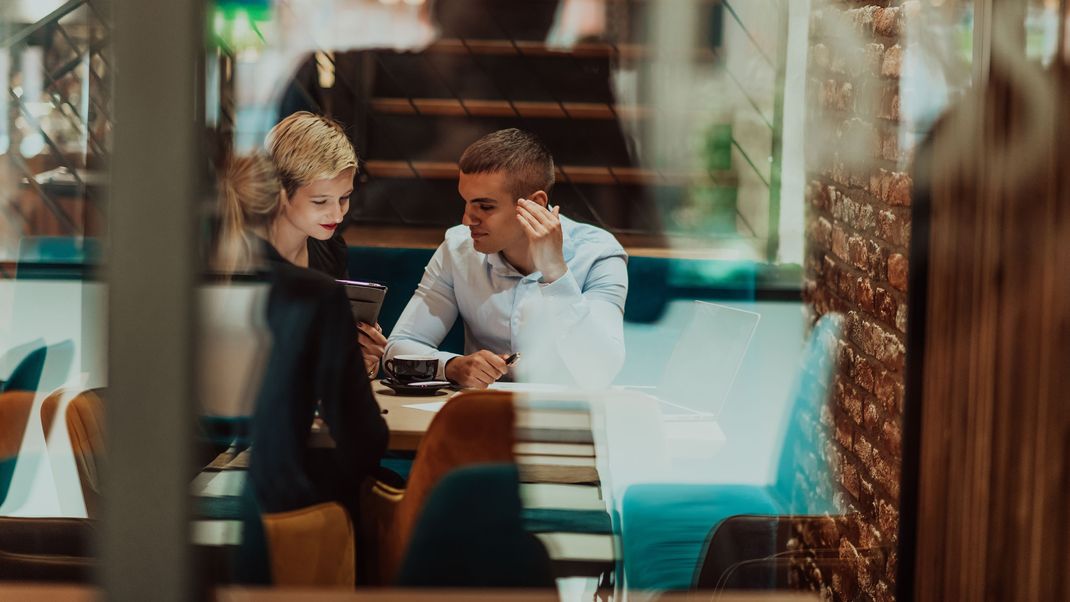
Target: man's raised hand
543 228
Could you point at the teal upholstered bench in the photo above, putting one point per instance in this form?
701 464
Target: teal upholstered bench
652 282
665 527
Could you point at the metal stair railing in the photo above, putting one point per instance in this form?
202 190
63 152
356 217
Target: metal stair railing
84 51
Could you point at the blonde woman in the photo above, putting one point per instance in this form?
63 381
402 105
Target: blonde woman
316 165
314 362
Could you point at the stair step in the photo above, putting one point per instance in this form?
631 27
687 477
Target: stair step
532 48
577 174
452 107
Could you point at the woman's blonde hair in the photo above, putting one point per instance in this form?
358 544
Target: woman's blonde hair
249 199
306 147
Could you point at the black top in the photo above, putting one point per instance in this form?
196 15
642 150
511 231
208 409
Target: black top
315 357
329 256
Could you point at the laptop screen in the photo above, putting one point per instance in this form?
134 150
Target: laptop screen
706 359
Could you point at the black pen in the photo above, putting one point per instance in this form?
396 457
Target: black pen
509 361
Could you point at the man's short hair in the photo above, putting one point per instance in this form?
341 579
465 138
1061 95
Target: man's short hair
521 155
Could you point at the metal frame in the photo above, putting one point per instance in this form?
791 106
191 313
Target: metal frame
151 314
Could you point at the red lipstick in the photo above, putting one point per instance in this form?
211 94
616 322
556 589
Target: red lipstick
329 227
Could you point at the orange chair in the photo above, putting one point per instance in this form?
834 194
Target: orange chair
311 547
85 426
15 407
472 428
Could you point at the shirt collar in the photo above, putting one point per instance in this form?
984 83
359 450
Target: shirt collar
502 267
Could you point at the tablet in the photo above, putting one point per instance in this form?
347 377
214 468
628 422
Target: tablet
365 299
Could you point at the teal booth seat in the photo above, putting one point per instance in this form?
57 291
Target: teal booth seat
57 257
665 528
652 283
400 269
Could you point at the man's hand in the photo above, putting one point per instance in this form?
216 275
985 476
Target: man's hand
373 344
477 370
544 238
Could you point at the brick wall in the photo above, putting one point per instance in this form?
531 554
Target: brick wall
858 231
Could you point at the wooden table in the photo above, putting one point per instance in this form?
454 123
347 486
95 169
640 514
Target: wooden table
555 456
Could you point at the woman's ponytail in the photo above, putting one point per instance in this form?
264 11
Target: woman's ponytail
248 200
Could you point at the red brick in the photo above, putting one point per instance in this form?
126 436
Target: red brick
863 375
839 242
829 272
863 449
849 479
858 141
885 391
892 562
898 271
886 475
889 145
864 577
879 184
846 286
850 403
882 592
901 318
819 55
871 338
873 58
894 227
863 293
885 305
871 417
823 233
892 62
899 190
888 103
892 435
887 519
865 490
818 194
878 260
844 355
886 22
869 538
861 18
857 252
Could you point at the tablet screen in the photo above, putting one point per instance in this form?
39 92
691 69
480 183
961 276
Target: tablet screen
365 299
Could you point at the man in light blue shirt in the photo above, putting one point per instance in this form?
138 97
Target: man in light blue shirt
522 277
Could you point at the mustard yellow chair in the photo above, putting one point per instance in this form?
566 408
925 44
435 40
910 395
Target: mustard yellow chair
311 547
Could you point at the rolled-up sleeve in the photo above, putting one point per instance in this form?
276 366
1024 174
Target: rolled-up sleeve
578 329
428 316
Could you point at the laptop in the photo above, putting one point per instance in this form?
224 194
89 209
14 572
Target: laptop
705 361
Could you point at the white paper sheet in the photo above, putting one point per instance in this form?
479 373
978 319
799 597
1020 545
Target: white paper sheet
433 406
528 387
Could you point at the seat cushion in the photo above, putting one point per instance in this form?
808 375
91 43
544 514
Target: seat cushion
664 528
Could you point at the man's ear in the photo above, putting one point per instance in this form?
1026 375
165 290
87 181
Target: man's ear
540 198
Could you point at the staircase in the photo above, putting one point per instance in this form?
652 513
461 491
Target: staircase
412 114
54 134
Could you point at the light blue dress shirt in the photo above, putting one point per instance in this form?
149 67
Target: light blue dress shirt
569 331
